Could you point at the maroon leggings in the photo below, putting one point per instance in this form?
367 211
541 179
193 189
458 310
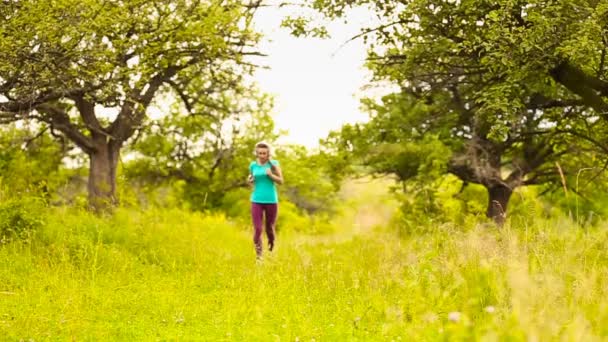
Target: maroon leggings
258 211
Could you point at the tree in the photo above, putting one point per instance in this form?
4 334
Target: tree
488 81
517 41
420 141
63 62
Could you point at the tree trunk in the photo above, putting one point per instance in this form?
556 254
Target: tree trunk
498 199
102 175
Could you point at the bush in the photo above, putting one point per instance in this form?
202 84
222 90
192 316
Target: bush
294 219
19 218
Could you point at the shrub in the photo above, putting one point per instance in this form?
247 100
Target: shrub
19 218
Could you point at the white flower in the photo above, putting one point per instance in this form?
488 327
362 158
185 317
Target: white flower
490 309
454 316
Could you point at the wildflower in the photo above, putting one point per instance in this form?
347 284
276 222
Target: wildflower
454 316
490 309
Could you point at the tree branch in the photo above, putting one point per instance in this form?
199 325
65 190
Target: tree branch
589 88
87 113
60 120
134 108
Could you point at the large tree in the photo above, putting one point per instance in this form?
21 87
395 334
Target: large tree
505 83
419 141
519 53
66 62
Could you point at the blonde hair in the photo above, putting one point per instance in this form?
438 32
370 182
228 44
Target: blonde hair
262 144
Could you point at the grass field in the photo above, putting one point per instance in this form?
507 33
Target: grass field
174 275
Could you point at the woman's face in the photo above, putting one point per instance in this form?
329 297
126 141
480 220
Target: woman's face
262 153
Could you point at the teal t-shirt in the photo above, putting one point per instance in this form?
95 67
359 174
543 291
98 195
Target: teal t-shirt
264 189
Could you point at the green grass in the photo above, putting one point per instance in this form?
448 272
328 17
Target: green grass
174 275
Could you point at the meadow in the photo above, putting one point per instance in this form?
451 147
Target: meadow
487 118
176 275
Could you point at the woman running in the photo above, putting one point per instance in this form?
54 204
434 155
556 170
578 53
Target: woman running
263 174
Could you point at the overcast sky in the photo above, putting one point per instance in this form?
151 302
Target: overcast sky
316 82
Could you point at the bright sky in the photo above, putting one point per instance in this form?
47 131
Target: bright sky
316 82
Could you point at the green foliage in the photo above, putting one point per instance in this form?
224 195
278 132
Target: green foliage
237 204
497 59
20 218
64 62
309 183
430 203
583 198
30 162
203 157
98 43
166 274
301 27
294 219
510 88
426 159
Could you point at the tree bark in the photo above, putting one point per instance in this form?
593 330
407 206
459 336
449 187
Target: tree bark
102 175
498 199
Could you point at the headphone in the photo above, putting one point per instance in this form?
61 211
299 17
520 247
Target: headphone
262 144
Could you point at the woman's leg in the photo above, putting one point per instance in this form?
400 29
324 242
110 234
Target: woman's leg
271 219
257 213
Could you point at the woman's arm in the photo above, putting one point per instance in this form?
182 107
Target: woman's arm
250 176
274 172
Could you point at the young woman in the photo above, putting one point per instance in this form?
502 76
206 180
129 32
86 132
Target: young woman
263 175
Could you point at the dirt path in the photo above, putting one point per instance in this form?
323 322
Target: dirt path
367 204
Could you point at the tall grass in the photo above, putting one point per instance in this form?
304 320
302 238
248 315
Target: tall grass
176 275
